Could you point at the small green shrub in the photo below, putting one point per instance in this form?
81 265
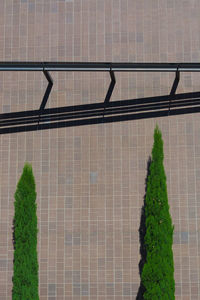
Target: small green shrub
25 275
158 271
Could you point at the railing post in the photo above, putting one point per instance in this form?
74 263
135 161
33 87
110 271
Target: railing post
47 92
111 86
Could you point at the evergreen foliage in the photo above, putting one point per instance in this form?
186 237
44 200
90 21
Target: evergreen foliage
25 276
158 271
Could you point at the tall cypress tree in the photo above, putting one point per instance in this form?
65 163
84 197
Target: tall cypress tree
25 277
158 271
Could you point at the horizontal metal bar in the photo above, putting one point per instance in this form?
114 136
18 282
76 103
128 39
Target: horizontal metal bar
74 69
138 69
189 69
20 69
98 67
101 69
155 69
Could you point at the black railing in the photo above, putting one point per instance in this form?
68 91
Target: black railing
99 66
106 111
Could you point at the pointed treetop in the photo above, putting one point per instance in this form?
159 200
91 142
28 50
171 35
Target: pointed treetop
157 151
27 180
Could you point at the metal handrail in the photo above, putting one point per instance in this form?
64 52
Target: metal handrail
99 112
99 66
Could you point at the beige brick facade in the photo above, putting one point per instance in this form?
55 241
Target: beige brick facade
91 179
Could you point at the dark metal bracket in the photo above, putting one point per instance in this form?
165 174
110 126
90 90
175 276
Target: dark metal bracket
174 86
47 92
111 86
176 82
48 89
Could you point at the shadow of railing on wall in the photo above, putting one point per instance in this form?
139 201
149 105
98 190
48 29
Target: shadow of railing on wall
96 113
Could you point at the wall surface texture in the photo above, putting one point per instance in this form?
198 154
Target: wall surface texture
91 179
